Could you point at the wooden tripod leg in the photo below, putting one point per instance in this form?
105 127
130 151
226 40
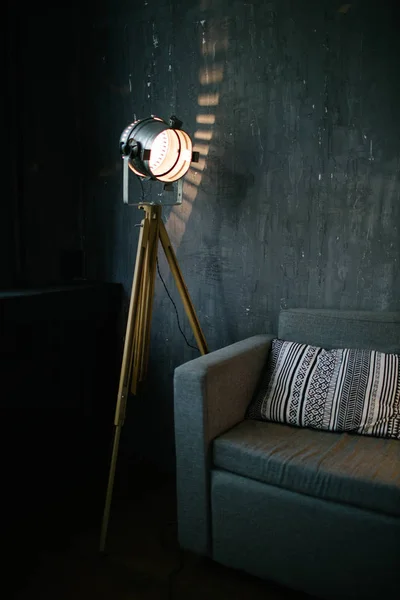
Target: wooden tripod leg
139 318
142 334
135 368
126 367
182 289
131 325
154 213
139 330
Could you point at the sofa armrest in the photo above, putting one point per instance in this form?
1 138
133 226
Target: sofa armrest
211 395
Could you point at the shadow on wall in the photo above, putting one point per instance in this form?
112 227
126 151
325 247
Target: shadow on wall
213 46
214 177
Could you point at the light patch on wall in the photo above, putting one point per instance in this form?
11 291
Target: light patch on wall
179 214
208 99
176 226
205 119
189 191
193 177
201 164
213 75
202 134
178 219
203 149
214 39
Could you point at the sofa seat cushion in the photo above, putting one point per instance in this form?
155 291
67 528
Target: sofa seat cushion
341 467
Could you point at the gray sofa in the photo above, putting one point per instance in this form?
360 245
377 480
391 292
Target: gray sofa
316 511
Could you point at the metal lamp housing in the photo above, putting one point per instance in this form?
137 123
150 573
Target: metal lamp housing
156 149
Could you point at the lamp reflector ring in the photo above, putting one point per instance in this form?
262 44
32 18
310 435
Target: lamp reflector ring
172 155
156 149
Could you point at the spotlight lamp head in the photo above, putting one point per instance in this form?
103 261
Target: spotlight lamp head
156 149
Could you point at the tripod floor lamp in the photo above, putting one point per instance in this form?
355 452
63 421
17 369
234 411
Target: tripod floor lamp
153 149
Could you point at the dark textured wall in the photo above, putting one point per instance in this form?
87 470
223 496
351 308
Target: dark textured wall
9 202
297 200
41 213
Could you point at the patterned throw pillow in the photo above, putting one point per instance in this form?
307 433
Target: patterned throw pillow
337 390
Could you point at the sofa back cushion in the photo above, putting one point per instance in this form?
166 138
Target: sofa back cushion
342 329
353 390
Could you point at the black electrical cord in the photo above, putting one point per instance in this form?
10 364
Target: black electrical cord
176 310
143 197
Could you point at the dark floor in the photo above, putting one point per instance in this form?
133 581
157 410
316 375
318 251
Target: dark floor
143 559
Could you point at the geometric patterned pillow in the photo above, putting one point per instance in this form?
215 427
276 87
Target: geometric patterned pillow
336 390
